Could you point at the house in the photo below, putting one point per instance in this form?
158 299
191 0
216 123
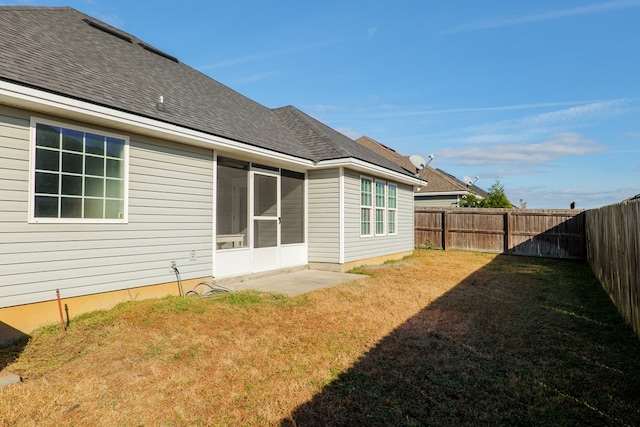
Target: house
119 162
443 190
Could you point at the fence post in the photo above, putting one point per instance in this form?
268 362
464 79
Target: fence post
444 230
582 217
507 232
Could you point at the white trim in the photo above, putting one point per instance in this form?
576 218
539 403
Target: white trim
71 109
341 214
32 219
273 251
395 210
439 193
370 207
377 208
306 215
370 169
214 219
45 102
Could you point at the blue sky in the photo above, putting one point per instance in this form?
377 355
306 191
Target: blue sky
543 95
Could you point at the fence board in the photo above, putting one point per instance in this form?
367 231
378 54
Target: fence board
543 233
428 229
613 251
608 237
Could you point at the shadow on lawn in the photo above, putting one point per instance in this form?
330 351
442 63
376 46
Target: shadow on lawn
12 343
523 341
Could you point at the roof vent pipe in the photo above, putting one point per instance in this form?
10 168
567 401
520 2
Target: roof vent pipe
160 104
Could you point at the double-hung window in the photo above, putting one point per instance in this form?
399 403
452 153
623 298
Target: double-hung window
392 208
380 207
366 206
77 174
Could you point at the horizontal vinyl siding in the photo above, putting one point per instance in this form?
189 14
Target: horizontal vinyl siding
170 214
14 169
437 202
324 211
358 248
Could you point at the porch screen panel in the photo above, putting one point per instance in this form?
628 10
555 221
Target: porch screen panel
292 207
266 195
231 200
266 233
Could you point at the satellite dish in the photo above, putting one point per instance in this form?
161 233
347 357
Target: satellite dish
417 161
470 181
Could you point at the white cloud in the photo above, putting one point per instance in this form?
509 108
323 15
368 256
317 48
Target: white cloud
580 112
268 55
576 110
537 126
372 32
560 145
493 138
542 197
497 108
544 16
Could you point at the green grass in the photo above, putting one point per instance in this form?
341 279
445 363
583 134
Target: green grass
521 342
441 338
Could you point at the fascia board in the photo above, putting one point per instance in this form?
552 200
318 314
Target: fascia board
28 98
440 193
370 169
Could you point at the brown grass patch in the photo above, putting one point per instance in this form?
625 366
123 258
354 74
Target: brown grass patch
439 338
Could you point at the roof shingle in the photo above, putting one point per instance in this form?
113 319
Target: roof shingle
66 52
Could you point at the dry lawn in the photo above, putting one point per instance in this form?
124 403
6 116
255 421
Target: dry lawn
441 338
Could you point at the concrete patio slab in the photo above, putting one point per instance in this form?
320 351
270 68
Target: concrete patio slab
290 283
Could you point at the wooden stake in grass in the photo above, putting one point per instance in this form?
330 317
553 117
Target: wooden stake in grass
64 328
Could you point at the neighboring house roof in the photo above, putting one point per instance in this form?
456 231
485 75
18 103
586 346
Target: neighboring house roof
474 188
327 143
65 52
439 181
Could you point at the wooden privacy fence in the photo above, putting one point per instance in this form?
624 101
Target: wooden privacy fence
530 232
613 242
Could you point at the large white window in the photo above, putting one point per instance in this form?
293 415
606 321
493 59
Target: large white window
366 206
77 174
378 208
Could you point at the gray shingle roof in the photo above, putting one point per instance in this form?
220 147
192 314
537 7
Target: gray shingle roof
326 143
66 52
56 50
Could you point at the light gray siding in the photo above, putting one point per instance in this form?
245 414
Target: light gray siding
324 212
444 201
170 215
356 247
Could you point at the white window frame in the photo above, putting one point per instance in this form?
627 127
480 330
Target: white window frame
370 207
32 174
380 209
393 210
